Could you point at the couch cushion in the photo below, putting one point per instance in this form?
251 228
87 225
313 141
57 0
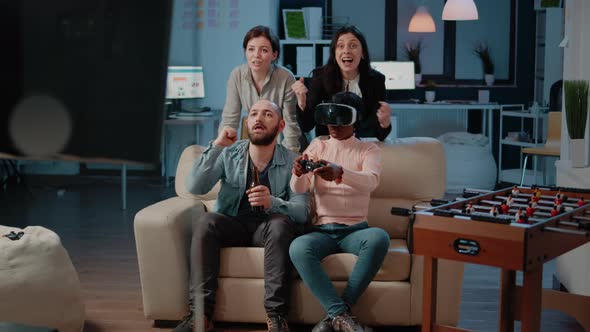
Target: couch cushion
413 168
380 215
413 171
239 262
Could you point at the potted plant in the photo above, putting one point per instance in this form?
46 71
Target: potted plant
483 52
413 54
430 94
576 112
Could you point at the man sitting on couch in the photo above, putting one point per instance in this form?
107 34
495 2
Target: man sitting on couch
237 222
348 172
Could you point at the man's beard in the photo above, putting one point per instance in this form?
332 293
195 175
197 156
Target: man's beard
265 139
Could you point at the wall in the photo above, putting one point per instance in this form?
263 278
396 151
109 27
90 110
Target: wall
554 26
370 19
575 67
217 46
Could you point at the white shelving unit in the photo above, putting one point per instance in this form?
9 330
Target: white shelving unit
539 124
314 61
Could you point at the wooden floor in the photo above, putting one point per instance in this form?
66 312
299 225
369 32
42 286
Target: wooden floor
99 238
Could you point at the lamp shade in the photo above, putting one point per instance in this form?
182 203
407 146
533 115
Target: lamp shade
422 21
460 10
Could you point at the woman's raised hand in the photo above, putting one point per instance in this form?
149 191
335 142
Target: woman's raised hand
300 91
384 114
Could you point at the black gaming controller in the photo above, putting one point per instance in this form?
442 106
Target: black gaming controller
309 165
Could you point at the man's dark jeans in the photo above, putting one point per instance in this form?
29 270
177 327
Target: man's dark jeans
214 231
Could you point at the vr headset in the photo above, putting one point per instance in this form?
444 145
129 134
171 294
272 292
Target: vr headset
330 114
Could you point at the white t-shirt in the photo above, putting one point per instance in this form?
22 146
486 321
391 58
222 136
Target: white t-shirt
352 86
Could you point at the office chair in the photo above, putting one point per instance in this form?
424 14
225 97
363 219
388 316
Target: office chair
552 146
555 96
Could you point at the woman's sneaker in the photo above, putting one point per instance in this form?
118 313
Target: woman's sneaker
346 323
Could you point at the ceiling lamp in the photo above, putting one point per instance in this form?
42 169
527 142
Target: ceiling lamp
422 21
460 10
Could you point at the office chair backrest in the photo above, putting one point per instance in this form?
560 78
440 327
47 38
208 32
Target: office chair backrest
555 94
554 130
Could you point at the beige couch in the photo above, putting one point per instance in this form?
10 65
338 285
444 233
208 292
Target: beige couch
413 171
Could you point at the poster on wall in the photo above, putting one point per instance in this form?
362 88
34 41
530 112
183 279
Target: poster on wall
211 14
294 24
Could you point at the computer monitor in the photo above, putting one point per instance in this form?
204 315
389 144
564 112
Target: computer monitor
100 65
399 75
184 82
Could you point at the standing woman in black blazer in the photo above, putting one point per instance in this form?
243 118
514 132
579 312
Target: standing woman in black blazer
348 69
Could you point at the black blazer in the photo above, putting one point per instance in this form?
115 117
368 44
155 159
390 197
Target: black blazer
373 90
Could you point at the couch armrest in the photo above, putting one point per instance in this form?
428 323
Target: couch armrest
162 235
450 285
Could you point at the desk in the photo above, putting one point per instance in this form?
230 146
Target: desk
214 117
487 118
72 158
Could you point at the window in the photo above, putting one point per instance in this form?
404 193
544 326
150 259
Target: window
447 54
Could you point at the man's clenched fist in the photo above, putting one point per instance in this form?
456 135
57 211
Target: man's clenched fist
227 136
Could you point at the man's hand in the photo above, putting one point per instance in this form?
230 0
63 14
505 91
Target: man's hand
300 91
330 172
227 136
384 114
298 170
259 196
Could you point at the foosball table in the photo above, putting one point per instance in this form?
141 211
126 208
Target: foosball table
515 229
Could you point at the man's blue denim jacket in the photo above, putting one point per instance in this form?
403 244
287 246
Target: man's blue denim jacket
229 165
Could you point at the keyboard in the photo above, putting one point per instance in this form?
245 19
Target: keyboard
405 101
196 109
459 102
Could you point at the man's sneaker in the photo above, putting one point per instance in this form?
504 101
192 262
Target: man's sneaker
346 323
325 325
277 324
187 324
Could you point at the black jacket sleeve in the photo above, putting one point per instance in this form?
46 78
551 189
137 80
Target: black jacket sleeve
382 133
373 89
316 94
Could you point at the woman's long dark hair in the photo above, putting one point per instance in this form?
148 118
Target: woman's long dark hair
332 77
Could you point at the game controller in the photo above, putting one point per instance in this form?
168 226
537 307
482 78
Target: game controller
309 165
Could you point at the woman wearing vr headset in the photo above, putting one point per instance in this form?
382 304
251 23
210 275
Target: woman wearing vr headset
261 78
347 69
344 170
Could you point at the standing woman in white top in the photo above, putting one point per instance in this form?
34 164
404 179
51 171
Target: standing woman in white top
262 78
